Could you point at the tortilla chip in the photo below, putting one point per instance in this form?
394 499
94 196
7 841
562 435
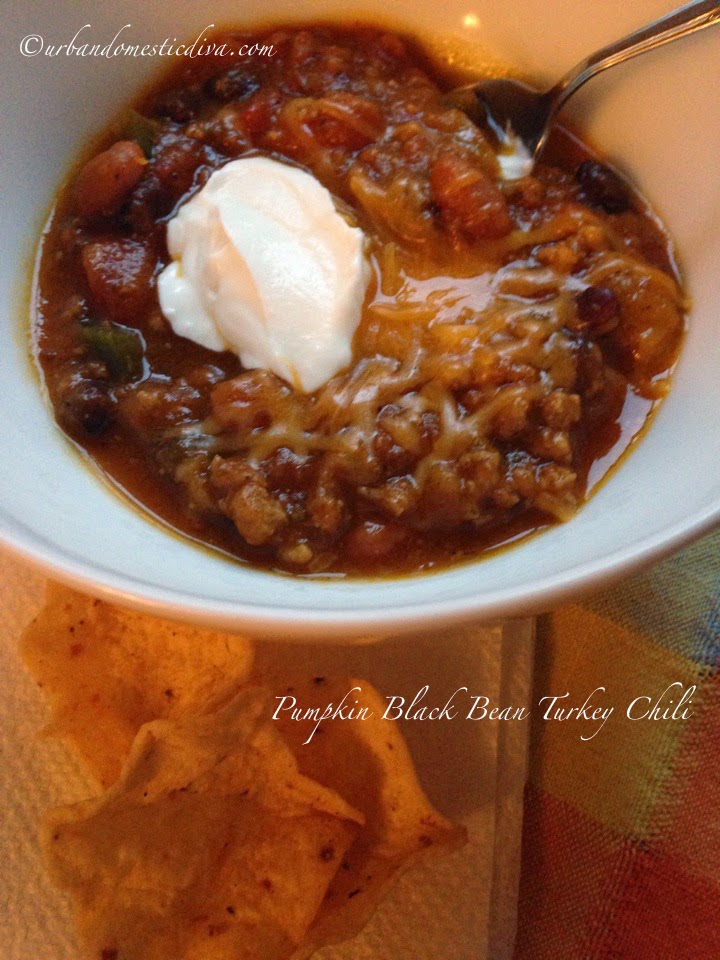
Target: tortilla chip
211 845
135 863
108 670
368 763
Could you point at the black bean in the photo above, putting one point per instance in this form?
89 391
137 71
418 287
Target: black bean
603 188
88 409
180 107
235 84
598 310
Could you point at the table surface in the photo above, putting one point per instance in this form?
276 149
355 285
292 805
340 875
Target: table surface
621 833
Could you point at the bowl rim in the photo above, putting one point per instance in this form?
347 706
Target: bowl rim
362 624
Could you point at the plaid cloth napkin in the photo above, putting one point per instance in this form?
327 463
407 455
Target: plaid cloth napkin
621 841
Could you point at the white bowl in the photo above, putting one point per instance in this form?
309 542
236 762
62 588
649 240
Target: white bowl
654 117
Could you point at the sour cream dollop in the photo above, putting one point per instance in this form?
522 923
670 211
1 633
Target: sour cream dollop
264 265
513 157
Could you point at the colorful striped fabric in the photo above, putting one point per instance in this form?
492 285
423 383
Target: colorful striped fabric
621 841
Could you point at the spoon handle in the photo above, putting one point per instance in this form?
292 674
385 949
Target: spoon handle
679 23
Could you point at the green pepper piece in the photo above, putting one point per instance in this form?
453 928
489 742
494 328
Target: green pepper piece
141 129
120 347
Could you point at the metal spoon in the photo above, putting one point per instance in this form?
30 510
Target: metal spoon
516 112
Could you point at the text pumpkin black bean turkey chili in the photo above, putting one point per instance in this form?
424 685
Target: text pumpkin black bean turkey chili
514 333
